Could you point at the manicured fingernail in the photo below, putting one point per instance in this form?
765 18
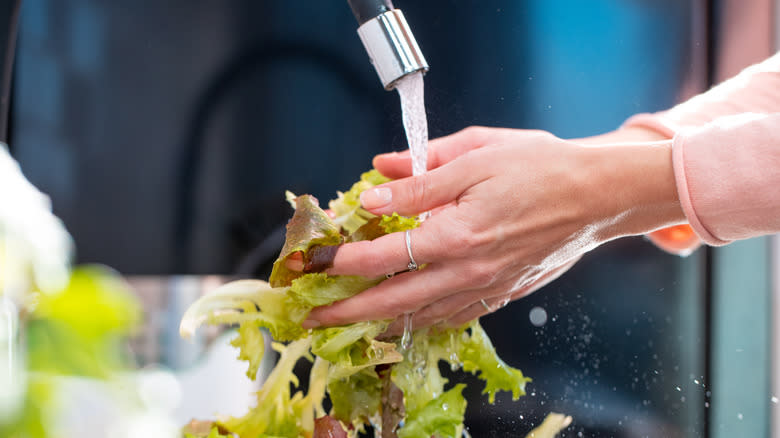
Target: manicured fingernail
310 324
376 198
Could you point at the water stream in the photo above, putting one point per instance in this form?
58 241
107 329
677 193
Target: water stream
411 89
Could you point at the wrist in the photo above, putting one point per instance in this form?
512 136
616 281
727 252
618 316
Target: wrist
628 134
634 188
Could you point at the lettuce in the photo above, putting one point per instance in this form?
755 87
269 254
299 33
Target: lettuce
368 381
349 214
251 346
442 417
477 355
277 413
357 398
309 227
249 301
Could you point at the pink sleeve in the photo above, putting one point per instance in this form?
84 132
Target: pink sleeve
756 89
728 177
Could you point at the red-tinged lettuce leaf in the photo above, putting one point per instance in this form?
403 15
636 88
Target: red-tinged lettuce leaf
328 427
310 226
379 226
204 429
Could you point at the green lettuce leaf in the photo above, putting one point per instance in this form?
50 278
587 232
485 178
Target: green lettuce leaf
251 345
352 348
442 417
248 301
277 413
476 354
349 214
319 289
356 399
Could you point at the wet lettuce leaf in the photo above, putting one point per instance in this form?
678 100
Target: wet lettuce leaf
357 398
442 417
478 356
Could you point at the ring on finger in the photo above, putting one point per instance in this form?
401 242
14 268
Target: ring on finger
412 266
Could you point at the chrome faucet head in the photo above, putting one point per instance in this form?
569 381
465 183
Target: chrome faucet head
388 40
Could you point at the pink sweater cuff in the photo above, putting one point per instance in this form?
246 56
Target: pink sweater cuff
727 177
684 193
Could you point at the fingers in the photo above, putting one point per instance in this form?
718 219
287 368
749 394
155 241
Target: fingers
476 309
389 254
404 293
441 151
417 194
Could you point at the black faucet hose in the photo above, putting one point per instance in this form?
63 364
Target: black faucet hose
365 10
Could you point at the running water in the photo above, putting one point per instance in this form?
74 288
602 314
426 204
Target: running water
411 89
412 93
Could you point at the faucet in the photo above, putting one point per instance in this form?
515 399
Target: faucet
388 40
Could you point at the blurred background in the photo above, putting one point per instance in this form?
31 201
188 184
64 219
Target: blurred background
166 133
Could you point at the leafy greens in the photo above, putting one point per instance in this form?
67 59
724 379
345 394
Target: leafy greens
358 372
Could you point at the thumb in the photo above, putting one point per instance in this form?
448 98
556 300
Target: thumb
418 194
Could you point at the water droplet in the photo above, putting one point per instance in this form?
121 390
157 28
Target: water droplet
406 339
678 388
774 399
739 416
538 316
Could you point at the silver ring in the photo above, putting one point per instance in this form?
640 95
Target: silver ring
485 305
412 266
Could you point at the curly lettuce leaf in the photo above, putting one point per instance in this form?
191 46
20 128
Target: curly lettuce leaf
310 226
356 398
246 301
418 376
277 413
442 417
349 214
319 289
352 348
251 345
476 354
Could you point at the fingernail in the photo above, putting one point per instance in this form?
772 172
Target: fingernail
376 198
310 324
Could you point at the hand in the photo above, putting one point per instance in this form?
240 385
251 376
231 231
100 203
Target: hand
512 210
